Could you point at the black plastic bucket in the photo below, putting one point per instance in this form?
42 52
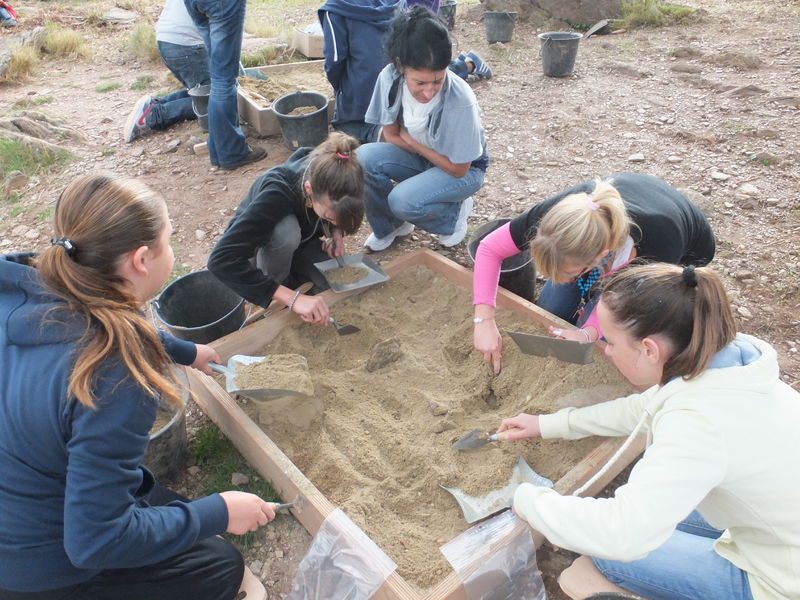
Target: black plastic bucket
499 25
166 453
200 308
199 95
559 49
517 273
302 130
447 13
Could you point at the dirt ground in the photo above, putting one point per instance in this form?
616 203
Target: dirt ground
712 108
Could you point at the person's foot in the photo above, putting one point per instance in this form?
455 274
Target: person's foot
461 226
10 22
377 244
480 68
136 125
254 154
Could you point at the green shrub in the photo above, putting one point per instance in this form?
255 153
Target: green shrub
653 13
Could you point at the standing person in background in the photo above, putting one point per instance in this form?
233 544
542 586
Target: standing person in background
435 149
221 24
83 372
577 238
184 53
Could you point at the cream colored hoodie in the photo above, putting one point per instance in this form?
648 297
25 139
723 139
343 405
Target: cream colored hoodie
725 443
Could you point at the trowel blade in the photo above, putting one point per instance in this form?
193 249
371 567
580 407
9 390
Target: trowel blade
542 345
476 438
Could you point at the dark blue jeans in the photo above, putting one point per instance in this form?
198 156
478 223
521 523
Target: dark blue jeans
221 24
189 64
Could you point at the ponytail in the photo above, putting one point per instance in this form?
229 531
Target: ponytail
334 170
98 219
579 227
686 305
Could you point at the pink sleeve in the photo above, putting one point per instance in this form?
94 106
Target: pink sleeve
593 322
492 250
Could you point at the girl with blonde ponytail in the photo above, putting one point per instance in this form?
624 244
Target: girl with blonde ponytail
272 242
82 373
580 236
710 510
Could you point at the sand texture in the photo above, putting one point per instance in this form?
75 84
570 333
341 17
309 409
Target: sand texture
390 401
276 371
345 275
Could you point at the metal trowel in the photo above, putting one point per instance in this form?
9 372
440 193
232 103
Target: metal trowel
542 345
476 508
477 438
238 360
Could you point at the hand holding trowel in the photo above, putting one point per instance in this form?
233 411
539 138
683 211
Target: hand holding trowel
521 427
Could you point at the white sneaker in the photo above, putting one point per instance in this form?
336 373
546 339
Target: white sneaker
377 244
461 226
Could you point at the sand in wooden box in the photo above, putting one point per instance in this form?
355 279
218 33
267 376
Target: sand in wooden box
378 443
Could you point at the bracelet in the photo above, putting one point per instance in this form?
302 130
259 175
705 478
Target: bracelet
293 300
477 320
586 333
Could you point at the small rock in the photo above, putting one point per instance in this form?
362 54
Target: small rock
199 235
137 152
744 312
742 275
437 410
278 553
773 202
172 146
748 189
684 67
384 353
636 158
719 176
256 566
194 470
239 479
31 234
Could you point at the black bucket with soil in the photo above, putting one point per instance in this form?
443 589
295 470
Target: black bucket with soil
517 272
447 13
167 449
199 95
303 117
499 26
559 50
200 308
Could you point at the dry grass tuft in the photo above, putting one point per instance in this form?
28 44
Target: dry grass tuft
59 41
24 59
142 42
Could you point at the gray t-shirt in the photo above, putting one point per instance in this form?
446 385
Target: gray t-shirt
454 128
176 26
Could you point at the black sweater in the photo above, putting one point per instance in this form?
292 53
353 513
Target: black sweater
273 196
669 228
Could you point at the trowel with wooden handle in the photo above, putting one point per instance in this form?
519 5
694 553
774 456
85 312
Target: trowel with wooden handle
542 345
477 438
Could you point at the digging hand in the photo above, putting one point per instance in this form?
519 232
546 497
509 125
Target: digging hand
312 309
246 512
521 427
487 340
205 355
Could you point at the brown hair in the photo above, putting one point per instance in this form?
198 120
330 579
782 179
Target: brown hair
105 217
579 227
686 305
334 170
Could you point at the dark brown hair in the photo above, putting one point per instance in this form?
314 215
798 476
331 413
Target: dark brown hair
334 170
686 305
105 217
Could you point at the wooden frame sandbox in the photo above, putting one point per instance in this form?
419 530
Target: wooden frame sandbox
271 462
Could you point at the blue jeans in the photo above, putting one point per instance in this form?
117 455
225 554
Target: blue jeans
459 67
221 24
424 195
189 64
685 567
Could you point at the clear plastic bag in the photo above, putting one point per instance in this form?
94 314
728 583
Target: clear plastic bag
342 563
496 560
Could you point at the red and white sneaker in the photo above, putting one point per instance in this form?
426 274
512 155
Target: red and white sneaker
136 125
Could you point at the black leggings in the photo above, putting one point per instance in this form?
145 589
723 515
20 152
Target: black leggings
212 569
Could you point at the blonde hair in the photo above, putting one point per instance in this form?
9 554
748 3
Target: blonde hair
105 217
334 170
686 305
579 227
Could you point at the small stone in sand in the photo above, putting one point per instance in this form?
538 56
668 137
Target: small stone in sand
384 353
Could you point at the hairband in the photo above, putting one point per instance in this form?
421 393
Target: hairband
65 243
342 156
689 276
592 204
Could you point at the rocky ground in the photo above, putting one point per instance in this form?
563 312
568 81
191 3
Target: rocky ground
713 108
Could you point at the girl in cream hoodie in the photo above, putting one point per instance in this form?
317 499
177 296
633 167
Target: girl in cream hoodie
712 509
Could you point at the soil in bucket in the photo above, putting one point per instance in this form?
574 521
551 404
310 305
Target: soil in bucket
559 49
499 25
517 273
166 452
199 95
200 308
307 128
447 13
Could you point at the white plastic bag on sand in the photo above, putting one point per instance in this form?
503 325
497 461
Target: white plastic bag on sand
496 560
341 563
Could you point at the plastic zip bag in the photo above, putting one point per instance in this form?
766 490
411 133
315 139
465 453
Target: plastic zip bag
496 560
342 563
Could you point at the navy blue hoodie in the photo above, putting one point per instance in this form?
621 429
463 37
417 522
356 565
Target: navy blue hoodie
355 32
71 488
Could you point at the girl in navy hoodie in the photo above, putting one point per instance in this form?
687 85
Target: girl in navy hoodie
81 370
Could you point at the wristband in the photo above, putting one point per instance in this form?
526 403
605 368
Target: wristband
293 300
586 333
478 320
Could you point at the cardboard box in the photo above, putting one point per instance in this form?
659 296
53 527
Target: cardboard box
262 119
308 44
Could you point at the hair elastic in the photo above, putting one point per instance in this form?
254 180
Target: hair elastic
592 204
342 156
65 243
689 276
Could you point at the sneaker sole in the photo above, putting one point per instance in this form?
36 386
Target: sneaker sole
130 123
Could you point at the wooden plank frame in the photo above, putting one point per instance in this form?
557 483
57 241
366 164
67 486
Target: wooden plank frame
313 507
